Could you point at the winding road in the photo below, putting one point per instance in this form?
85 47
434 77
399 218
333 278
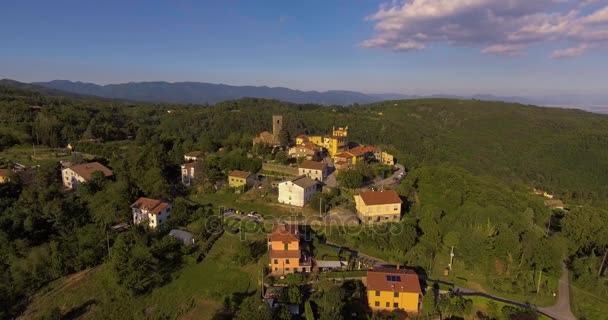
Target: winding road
561 310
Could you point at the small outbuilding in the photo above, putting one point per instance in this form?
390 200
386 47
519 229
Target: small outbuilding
183 236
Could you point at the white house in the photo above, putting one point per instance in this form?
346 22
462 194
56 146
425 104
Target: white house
297 191
151 212
188 173
73 175
313 169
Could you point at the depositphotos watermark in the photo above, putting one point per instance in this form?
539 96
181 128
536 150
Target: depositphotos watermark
246 225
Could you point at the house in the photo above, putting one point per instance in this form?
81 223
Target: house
393 289
284 251
554 204
151 212
184 237
362 153
297 191
306 150
302 138
240 179
76 174
378 206
193 156
387 159
4 175
188 170
344 161
313 169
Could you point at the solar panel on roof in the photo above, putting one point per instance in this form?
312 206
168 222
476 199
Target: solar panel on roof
393 278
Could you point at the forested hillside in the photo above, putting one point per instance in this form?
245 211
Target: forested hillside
471 166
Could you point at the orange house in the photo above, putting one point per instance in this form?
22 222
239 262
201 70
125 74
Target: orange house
284 250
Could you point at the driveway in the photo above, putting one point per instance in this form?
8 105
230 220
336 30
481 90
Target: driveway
561 310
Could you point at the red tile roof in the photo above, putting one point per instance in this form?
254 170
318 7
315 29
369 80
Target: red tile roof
309 145
380 197
4 173
343 155
393 280
153 206
284 254
313 165
86 170
240 174
284 233
189 165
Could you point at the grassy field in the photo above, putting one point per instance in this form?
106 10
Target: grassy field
482 304
198 291
25 155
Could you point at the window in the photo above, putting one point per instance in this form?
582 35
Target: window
295 270
395 305
377 209
369 210
377 303
396 294
276 261
286 269
377 293
388 304
286 261
276 269
386 208
285 246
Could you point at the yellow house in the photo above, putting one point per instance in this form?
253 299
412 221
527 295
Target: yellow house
378 206
284 251
317 140
300 139
393 289
337 142
238 179
387 159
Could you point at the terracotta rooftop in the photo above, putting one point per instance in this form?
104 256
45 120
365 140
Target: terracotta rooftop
240 174
314 165
284 233
284 254
554 203
393 280
380 197
343 155
188 165
86 170
4 173
153 206
310 145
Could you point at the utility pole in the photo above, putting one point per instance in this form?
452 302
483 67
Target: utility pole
451 258
603 262
540 274
320 206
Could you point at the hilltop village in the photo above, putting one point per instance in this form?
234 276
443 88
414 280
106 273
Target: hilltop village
277 203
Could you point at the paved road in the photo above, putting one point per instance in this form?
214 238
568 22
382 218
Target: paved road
391 180
561 310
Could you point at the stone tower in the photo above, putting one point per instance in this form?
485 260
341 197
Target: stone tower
277 126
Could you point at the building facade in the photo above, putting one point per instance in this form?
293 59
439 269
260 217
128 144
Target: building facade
76 174
193 156
393 289
152 213
188 173
313 169
240 179
378 206
284 251
297 191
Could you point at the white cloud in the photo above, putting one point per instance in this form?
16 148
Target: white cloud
503 27
569 52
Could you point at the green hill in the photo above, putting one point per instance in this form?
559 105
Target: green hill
471 166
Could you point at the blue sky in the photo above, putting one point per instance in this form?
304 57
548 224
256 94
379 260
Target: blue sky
411 47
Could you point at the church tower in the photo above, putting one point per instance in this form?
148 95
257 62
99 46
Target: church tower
277 126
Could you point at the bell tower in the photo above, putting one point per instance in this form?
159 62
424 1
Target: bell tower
277 126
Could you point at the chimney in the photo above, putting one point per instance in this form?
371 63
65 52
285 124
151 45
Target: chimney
397 267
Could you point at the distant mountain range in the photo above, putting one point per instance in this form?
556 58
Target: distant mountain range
201 92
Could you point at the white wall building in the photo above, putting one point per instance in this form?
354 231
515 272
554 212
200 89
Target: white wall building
151 212
313 169
297 191
188 173
76 174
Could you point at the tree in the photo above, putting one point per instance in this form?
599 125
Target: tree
253 308
294 296
350 179
283 313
